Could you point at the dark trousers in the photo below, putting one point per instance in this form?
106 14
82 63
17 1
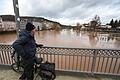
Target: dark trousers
28 69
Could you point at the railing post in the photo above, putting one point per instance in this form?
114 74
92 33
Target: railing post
94 61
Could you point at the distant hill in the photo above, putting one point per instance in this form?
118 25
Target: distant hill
37 19
12 18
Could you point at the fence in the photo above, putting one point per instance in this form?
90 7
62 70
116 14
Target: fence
94 61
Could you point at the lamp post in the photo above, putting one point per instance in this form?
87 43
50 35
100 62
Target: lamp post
17 17
17 20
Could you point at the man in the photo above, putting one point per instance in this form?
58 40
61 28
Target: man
25 46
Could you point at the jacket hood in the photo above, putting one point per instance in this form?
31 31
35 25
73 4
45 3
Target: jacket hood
25 33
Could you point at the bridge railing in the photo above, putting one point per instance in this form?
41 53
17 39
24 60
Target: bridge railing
93 61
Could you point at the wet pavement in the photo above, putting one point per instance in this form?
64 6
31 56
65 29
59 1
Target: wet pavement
9 74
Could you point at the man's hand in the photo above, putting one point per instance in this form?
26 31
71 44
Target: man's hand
39 45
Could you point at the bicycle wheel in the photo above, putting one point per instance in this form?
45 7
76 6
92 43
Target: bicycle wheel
37 77
53 76
17 68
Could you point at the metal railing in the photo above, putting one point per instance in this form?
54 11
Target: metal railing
94 61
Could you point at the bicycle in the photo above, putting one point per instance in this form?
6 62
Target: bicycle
42 70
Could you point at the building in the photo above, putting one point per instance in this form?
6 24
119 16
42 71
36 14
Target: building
105 26
1 24
7 25
51 25
38 25
93 24
86 25
23 23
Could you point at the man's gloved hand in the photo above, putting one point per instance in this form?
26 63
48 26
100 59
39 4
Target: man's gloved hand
39 45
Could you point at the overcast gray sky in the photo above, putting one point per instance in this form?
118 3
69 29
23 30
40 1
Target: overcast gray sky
65 11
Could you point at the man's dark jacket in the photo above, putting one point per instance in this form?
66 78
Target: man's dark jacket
25 45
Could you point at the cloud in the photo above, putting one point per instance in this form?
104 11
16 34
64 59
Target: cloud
6 7
67 11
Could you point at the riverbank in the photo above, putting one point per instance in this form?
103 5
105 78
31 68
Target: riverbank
101 30
82 29
4 32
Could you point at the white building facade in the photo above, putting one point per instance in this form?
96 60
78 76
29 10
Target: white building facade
38 25
7 25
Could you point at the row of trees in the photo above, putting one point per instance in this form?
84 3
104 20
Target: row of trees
95 23
115 24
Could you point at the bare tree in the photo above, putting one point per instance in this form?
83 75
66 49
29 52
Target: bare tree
96 19
95 22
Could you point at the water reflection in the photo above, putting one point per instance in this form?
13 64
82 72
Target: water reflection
7 37
71 38
93 39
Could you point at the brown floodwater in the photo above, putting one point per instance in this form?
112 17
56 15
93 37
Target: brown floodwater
70 38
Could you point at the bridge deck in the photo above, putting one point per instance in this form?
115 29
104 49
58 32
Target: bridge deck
9 74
